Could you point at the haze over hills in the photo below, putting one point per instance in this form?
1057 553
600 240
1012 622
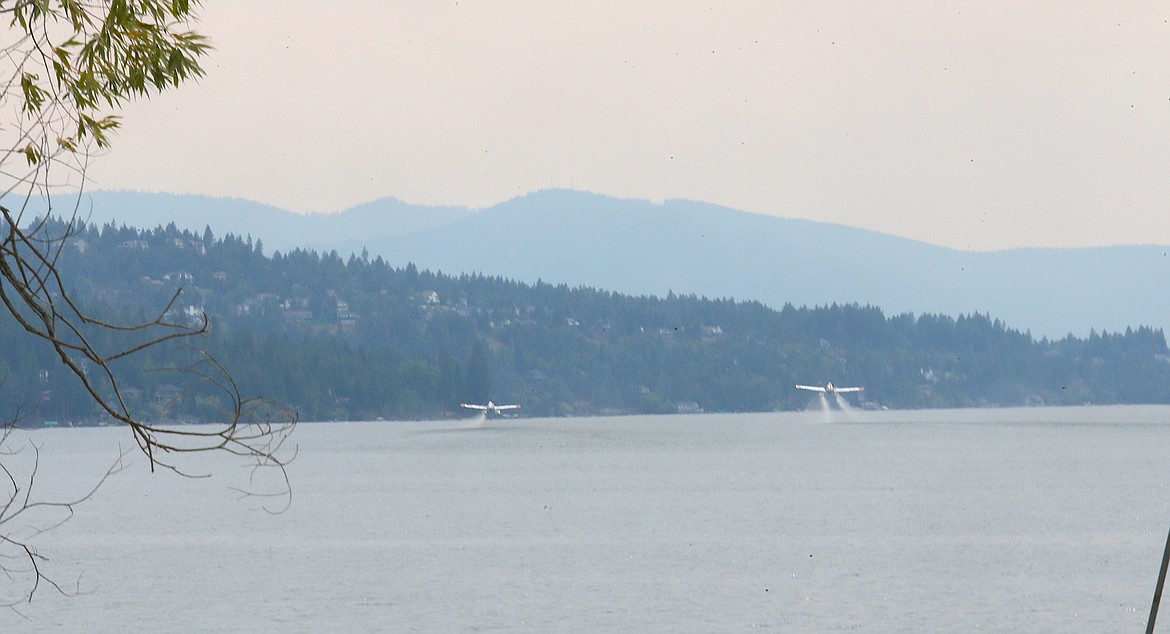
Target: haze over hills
685 247
281 229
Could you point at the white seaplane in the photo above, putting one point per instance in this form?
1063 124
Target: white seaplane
490 408
829 388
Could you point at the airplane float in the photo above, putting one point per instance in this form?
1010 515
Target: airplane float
490 408
829 388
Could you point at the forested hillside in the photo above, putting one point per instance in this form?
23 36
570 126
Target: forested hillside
354 338
638 247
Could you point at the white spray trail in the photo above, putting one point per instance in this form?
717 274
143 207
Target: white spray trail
479 419
826 409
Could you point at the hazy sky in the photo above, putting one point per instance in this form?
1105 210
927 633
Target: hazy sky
975 125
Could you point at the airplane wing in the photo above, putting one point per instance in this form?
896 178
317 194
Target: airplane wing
813 388
482 408
507 407
850 389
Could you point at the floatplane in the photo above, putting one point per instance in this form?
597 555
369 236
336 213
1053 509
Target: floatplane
829 388
490 408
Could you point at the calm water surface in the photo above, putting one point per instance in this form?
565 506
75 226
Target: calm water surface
1038 520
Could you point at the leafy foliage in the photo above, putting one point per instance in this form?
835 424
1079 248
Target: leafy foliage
72 58
70 65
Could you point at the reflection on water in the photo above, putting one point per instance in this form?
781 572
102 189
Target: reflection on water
1032 520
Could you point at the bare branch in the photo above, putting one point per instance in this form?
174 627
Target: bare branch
68 66
20 560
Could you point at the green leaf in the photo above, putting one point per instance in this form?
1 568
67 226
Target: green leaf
32 154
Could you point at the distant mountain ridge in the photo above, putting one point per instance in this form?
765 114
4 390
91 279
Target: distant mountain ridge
286 230
686 247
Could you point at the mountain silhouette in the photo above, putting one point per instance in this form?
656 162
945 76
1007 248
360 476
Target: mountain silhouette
686 247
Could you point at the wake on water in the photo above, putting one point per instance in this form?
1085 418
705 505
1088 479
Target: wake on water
826 406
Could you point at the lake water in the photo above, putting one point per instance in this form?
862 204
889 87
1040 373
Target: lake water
1019 520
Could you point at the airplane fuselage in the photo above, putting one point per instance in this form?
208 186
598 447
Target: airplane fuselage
490 408
829 388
